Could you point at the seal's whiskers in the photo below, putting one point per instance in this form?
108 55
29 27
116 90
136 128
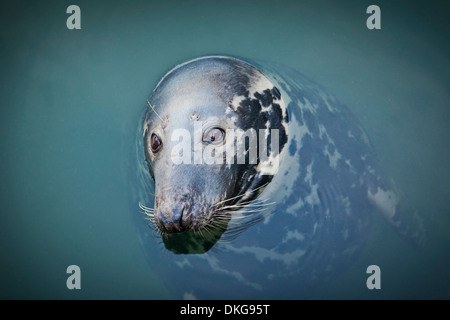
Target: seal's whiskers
153 108
239 206
241 195
146 209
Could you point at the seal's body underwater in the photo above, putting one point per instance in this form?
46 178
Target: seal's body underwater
307 195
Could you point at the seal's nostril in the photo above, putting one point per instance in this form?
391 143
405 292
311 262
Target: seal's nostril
179 220
186 220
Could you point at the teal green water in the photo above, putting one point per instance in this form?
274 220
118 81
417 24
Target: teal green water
71 100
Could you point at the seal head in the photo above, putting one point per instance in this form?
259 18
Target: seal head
196 112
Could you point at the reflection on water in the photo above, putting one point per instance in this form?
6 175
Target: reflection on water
192 243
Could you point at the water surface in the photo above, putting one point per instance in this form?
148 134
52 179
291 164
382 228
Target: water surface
71 101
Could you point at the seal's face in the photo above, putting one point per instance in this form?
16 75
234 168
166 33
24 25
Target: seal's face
194 119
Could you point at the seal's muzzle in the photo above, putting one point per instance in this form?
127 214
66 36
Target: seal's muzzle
171 222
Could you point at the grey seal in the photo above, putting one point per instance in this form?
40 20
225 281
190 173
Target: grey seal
301 206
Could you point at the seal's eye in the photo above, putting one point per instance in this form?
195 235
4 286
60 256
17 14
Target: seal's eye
214 135
155 143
